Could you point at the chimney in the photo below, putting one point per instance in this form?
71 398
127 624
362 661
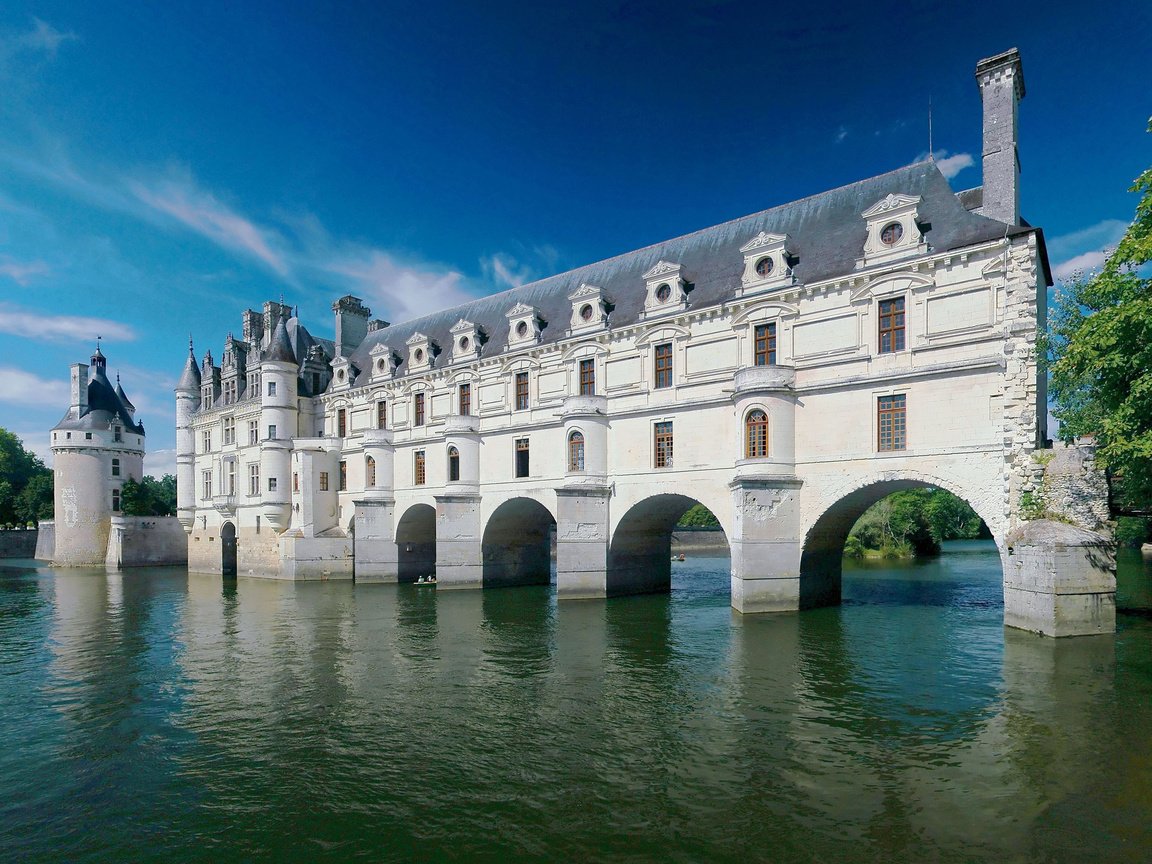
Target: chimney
1001 80
351 324
79 390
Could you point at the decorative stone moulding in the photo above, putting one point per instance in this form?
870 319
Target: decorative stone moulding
466 341
893 231
575 406
589 309
343 374
377 437
760 379
384 361
524 325
667 291
455 424
420 352
766 264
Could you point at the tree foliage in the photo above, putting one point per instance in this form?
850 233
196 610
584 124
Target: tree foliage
911 523
25 484
149 497
698 516
1099 348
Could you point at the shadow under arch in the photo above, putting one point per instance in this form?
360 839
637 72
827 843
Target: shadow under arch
228 549
822 558
640 554
416 543
517 544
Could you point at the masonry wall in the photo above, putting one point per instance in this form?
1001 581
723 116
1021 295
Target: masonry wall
18 544
143 541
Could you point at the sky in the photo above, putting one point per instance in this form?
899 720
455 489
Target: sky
164 166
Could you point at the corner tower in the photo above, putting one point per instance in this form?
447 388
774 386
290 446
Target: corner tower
187 403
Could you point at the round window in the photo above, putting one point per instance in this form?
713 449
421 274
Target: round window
765 266
586 311
664 292
340 375
419 355
522 328
891 233
464 343
381 365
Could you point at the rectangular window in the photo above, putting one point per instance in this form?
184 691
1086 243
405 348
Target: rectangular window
342 423
664 365
271 484
87 436
323 481
272 431
381 415
315 383
206 440
115 467
271 388
521 457
892 427
663 444
343 476
891 325
206 484
253 478
765 345
253 431
118 436
521 391
295 482
588 377
419 410
229 424
465 399
418 474
115 500
230 477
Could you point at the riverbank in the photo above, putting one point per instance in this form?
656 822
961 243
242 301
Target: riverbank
700 541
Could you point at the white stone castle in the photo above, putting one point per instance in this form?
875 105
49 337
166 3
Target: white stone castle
786 369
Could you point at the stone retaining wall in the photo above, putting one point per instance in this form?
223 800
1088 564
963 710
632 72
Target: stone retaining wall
18 543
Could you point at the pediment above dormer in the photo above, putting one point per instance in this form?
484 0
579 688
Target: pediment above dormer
891 203
762 240
415 338
662 268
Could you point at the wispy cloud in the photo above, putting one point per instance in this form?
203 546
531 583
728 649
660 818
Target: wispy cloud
44 37
157 463
21 272
1084 263
949 165
841 134
506 271
1084 250
59 328
25 388
404 291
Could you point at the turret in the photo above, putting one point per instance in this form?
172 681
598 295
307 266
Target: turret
187 403
279 418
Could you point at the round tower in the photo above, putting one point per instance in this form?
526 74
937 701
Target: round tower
96 447
279 410
187 403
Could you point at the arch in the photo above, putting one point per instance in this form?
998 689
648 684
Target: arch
369 472
575 450
228 549
453 464
416 543
517 544
821 557
756 434
640 553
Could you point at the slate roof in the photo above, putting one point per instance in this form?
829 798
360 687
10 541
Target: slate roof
826 233
104 407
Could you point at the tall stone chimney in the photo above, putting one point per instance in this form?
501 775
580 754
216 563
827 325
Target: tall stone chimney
79 402
351 324
1001 80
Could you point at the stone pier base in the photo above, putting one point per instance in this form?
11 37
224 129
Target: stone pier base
1059 580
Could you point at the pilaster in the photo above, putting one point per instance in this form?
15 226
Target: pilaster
766 547
459 559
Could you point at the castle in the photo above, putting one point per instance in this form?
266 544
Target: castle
786 369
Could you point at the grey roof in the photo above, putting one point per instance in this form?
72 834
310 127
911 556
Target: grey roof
104 407
280 348
122 395
826 233
190 379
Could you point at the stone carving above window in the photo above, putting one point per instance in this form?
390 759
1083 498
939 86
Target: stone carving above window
384 361
466 341
767 264
589 309
421 351
667 290
893 231
524 325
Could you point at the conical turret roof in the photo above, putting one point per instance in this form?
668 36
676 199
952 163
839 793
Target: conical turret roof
190 379
123 396
280 348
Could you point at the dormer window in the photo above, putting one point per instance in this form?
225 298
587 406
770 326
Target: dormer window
766 263
420 352
466 339
384 361
667 289
589 309
893 231
524 325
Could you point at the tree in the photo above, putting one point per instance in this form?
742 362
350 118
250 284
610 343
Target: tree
698 516
20 469
149 497
911 523
1099 347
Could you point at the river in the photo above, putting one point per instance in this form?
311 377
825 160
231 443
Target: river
163 716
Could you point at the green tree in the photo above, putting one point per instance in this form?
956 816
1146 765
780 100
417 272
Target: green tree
698 516
1099 347
911 523
18 469
149 496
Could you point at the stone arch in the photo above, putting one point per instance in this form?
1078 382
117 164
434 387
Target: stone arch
517 544
821 557
640 552
416 543
228 549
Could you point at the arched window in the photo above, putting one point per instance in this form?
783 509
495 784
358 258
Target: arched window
756 435
453 464
576 451
369 471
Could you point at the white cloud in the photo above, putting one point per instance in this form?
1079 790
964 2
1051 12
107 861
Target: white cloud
35 325
841 134
44 37
25 388
406 292
160 462
949 165
1084 250
21 272
1084 263
506 271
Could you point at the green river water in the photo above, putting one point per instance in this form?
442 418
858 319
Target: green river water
163 716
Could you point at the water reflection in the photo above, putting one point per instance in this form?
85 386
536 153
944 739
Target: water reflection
163 716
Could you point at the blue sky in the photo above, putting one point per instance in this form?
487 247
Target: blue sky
164 166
